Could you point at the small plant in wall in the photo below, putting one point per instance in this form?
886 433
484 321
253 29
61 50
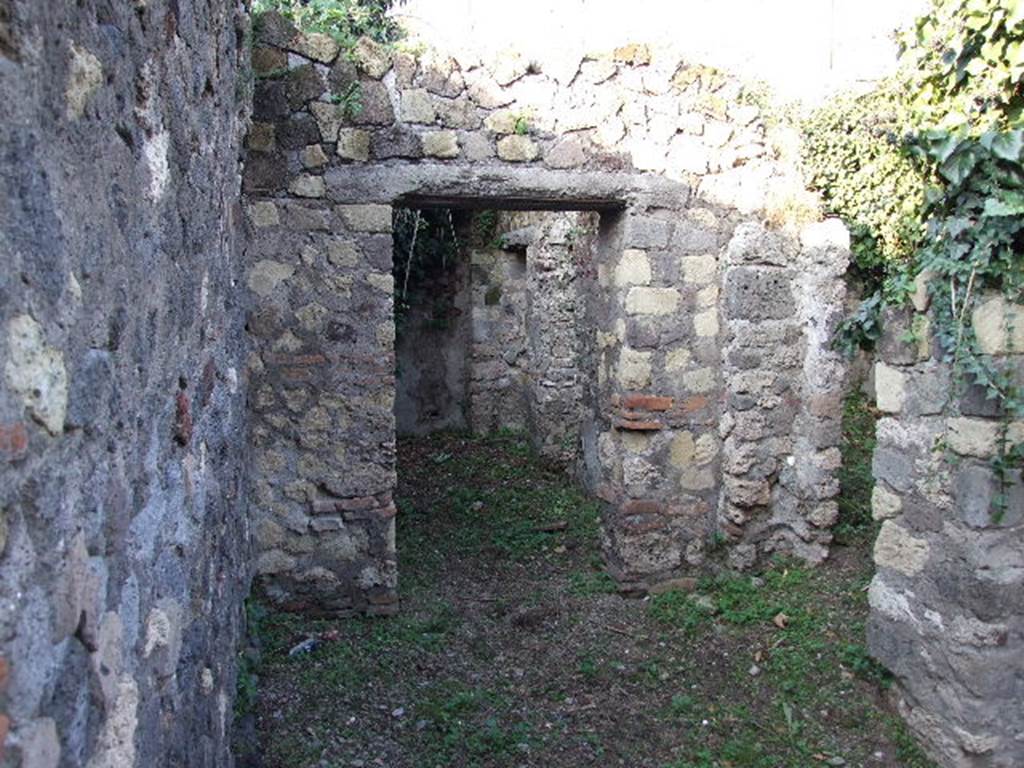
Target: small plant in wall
521 127
351 101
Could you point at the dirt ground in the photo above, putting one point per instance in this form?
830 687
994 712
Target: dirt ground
512 648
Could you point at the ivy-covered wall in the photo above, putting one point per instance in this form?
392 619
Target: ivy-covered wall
947 604
928 171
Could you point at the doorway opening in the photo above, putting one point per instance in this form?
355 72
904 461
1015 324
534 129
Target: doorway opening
494 324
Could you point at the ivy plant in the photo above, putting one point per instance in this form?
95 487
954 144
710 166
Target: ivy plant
344 20
853 154
968 58
963 68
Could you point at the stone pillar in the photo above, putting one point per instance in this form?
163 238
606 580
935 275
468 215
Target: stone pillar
556 336
322 395
947 603
658 385
784 386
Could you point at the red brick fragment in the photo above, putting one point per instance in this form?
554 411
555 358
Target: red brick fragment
356 504
732 530
13 440
207 383
183 419
5 726
695 403
382 597
642 524
324 506
642 507
290 360
296 374
5 673
647 403
682 584
639 426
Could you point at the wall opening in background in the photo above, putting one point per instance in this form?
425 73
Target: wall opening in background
492 324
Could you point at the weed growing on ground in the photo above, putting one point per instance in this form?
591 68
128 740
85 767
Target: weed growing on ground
856 480
450 710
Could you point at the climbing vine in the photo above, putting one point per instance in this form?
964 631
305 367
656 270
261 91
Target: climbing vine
970 101
963 68
426 247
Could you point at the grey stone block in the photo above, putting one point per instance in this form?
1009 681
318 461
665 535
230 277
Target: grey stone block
759 293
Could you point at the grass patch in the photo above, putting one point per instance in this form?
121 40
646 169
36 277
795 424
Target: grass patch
509 652
804 672
473 723
856 480
497 500
591 583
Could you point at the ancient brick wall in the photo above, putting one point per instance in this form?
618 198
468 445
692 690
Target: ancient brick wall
497 337
559 333
678 165
947 603
711 397
323 430
123 537
782 302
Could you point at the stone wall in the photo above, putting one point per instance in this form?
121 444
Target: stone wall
496 339
499 368
123 536
560 344
947 603
322 397
530 336
782 302
678 164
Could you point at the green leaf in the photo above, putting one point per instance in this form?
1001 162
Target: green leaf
992 51
1008 145
1003 207
1015 53
958 167
976 67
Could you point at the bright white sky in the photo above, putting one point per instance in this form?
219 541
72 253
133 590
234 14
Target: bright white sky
803 48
